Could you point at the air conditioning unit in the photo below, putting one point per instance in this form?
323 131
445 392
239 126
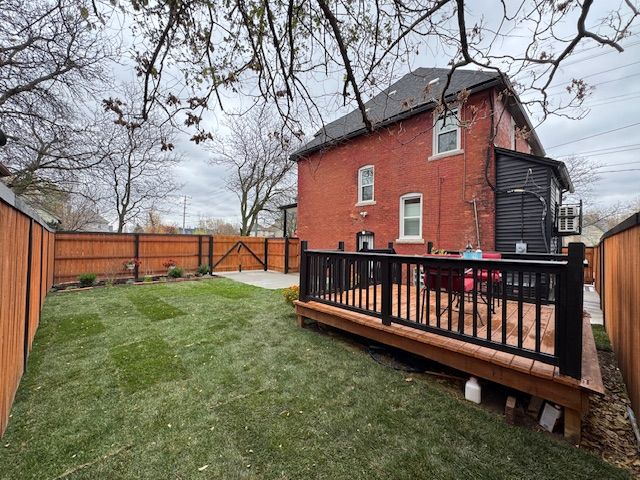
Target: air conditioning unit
570 219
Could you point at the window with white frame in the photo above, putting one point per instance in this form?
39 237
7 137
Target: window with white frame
365 184
446 133
411 216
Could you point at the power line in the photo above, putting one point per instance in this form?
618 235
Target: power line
605 148
623 170
618 164
593 136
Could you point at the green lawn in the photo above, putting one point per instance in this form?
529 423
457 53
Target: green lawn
601 338
212 379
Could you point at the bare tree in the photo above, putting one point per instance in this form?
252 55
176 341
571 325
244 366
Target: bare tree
52 64
217 226
273 50
135 169
261 172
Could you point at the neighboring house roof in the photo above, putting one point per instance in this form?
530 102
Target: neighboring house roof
559 168
590 236
415 92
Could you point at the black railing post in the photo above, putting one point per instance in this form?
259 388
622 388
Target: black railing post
266 253
286 254
304 271
387 290
136 252
570 330
210 254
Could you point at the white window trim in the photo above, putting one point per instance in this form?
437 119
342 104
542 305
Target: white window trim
373 186
434 148
410 238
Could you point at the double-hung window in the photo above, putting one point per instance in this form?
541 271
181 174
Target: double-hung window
365 184
446 133
411 216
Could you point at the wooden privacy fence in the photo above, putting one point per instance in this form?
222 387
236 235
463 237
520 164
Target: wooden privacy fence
26 263
589 268
618 283
105 253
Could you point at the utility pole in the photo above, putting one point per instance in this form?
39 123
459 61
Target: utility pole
184 213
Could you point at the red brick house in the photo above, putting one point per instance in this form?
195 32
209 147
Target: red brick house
479 175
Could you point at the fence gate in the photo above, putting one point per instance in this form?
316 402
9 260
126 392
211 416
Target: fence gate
237 249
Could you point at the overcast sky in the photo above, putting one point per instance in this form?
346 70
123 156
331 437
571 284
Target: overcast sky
613 105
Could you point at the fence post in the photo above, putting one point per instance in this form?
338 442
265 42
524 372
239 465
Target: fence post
210 254
286 254
570 330
199 250
136 253
266 254
27 308
304 289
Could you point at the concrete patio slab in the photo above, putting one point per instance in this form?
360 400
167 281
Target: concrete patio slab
260 278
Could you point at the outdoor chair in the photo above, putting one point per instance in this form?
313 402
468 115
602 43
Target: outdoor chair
460 284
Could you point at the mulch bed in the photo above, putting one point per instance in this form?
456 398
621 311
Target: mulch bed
607 431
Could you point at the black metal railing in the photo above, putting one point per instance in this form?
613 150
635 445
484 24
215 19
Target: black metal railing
530 308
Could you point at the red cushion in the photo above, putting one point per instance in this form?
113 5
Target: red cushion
492 255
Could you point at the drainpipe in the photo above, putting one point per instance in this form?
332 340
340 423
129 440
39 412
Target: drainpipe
475 213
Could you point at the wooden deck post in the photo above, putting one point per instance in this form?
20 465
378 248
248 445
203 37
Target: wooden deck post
572 425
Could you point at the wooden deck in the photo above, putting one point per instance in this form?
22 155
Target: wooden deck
521 373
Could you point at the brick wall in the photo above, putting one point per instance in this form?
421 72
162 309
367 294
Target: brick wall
328 193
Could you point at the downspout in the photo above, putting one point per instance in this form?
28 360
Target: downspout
475 212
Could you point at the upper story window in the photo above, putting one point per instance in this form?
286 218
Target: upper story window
411 216
446 133
365 184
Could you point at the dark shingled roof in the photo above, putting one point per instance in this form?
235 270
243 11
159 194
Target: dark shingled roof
409 95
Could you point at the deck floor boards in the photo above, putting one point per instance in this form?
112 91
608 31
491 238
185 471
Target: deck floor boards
409 308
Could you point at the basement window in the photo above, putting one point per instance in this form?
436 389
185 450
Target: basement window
365 184
446 133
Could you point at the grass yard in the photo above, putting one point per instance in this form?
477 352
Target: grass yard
212 379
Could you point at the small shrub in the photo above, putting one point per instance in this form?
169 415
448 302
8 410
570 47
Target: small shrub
147 279
291 294
203 269
109 282
175 272
87 279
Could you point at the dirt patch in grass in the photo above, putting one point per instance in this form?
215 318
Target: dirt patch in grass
146 362
79 325
153 307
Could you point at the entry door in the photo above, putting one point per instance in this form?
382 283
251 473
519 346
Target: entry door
365 237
